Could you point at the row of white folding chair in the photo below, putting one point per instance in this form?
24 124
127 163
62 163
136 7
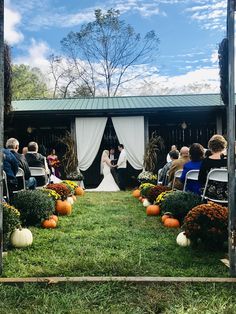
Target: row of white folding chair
177 175
21 174
38 172
158 176
5 186
217 175
190 175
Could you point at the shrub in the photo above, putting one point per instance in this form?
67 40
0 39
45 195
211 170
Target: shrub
52 194
207 223
60 188
154 191
180 203
70 185
160 198
34 206
11 220
144 188
147 177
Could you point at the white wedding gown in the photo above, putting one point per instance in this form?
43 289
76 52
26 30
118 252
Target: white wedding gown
108 183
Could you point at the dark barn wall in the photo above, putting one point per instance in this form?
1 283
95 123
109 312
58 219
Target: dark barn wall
46 128
182 128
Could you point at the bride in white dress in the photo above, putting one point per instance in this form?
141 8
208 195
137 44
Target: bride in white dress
108 183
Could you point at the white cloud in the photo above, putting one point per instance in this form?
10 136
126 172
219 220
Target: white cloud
210 14
203 80
36 57
11 20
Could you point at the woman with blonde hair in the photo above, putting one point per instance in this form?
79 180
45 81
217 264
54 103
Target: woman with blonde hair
108 183
217 146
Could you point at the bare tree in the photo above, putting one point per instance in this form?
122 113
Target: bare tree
63 75
105 49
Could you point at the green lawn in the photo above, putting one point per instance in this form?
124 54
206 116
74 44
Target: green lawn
109 234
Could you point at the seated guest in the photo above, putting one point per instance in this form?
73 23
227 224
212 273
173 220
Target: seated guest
13 145
178 164
173 147
217 145
174 154
196 153
24 150
35 159
10 166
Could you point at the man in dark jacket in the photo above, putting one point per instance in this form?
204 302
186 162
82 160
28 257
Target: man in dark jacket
13 145
10 166
35 159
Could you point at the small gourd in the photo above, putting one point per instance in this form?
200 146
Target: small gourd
21 237
79 191
70 200
63 207
153 210
136 193
182 240
146 203
49 223
171 223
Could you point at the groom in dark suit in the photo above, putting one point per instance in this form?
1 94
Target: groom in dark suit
113 157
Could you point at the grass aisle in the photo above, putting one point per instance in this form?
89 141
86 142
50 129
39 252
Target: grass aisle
109 234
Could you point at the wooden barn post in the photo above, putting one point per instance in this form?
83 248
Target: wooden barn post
231 139
1 122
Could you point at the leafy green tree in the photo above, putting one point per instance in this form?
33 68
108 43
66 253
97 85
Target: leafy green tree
28 83
104 50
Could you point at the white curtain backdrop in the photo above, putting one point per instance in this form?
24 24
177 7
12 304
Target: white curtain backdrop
130 132
89 132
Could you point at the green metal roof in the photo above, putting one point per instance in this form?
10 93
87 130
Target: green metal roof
118 103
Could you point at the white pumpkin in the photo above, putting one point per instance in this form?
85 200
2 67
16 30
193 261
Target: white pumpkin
182 240
146 203
21 238
70 200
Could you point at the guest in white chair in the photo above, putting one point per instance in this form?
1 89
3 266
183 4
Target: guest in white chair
13 145
217 145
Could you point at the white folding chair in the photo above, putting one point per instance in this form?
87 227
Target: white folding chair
21 179
40 175
158 176
5 186
190 175
217 175
177 175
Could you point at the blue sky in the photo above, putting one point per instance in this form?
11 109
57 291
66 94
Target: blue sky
189 33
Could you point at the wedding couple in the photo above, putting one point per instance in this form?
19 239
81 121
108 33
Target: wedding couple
108 183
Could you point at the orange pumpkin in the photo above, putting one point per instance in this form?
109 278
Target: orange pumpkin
171 223
54 217
63 207
136 193
79 191
153 210
164 217
49 223
140 198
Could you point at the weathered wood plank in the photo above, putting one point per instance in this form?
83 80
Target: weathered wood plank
95 279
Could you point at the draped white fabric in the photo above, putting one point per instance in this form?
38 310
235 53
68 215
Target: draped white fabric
130 132
89 132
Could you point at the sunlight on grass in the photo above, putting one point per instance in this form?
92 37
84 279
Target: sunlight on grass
110 234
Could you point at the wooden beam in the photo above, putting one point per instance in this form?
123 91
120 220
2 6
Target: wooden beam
95 279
